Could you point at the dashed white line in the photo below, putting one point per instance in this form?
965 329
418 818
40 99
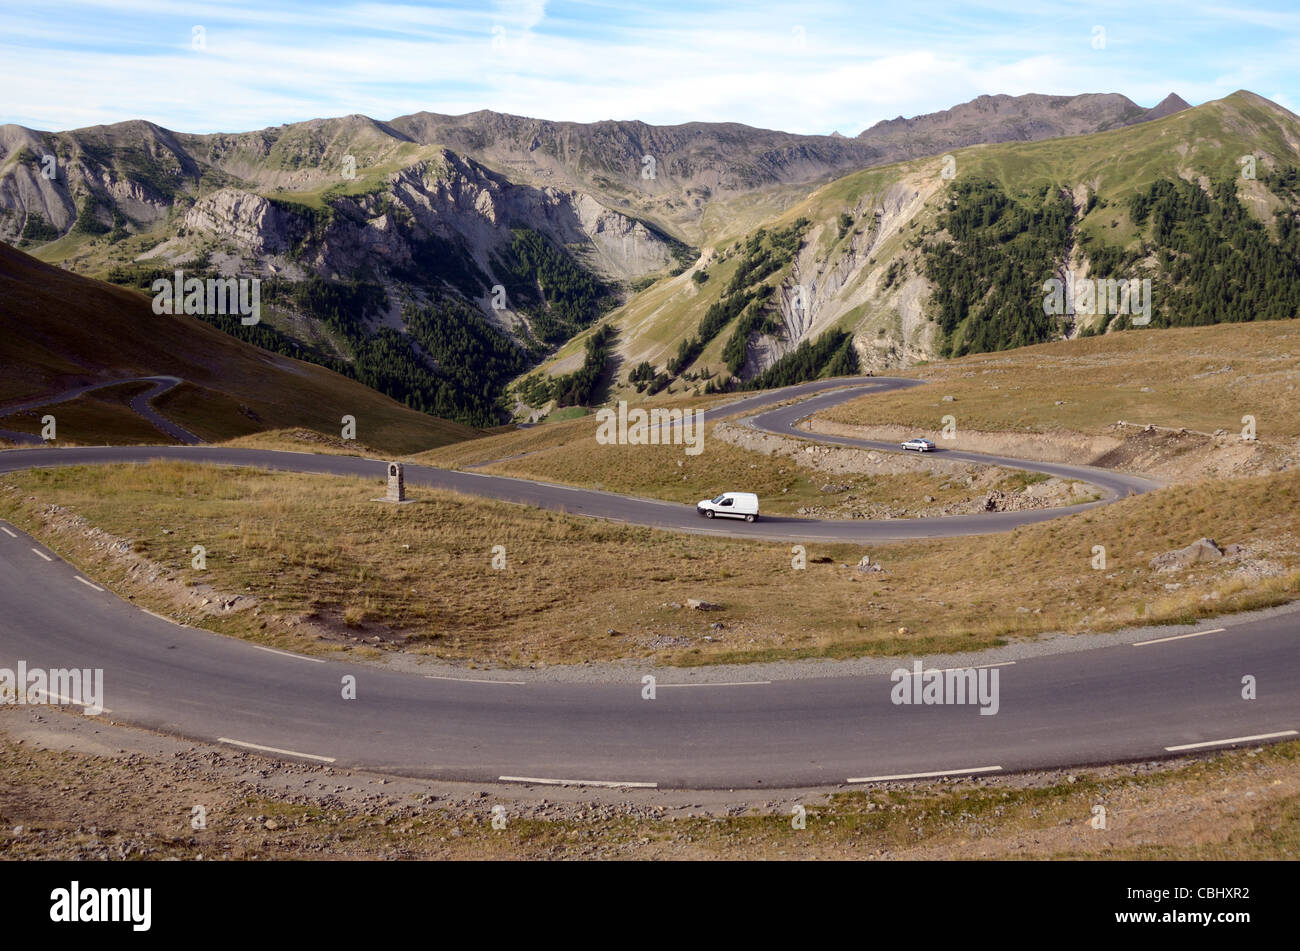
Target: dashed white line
163 618
272 749
272 650
1228 742
7 532
942 670
68 701
1179 637
472 680
90 584
939 772
603 783
42 554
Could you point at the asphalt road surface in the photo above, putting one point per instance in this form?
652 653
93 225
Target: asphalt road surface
651 512
141 404
1115 703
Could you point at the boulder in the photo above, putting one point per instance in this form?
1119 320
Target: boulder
866 564
1201 550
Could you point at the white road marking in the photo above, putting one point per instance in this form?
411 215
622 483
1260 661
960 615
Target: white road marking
604 783
722 683
272 749
940 670
941 772
42 554
1235 739
1179 637
272 650
472 680
7 532
88 583
161 618
68 701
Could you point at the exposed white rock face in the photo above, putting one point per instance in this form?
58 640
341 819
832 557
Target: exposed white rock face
130 198
450 198
624 247
445 207
25 193
249 220
825 286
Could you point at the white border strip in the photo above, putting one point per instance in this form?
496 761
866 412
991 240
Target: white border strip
160 617
7 532
941 772
482 680
60 699
88 583
272 650
272 749
1235 739
1179 637
603 783
944 670
42 554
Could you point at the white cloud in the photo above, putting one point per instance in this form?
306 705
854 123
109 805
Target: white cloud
273 63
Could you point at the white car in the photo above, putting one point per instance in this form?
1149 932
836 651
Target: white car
919 444
730 505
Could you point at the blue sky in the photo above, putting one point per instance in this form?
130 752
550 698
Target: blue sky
802 67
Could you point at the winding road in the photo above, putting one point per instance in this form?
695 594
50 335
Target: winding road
1130 701
141 404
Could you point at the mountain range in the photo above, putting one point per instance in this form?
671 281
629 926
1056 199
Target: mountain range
441 258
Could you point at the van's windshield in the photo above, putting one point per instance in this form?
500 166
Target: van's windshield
718 500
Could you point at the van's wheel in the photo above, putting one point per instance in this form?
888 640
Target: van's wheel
708 513
749 518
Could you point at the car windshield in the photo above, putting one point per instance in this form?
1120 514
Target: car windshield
719 499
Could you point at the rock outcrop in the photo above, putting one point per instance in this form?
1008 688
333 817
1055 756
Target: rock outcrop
250 221
1201 550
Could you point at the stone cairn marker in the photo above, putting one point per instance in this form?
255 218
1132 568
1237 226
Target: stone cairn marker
396 485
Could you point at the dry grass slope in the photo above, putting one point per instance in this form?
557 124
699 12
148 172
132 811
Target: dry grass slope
1201 378
63 331
419 578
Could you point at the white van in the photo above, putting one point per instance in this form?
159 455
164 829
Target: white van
731 504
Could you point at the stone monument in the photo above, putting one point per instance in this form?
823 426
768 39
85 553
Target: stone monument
396 486
396 483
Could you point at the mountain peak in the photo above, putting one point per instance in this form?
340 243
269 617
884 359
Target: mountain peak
1167 107
1003 118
